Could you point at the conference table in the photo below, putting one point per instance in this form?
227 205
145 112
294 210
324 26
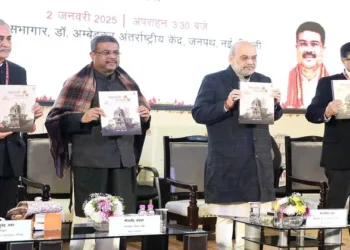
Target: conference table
288 237
53 240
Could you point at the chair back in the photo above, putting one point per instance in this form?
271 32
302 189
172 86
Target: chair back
184 160
40 166
276 162
303 156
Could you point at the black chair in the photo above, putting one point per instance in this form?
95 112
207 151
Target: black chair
24 183
277 169
303 172
147 193
39 167
183 190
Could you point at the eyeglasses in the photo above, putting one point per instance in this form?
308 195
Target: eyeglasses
108 53
306 44
246 58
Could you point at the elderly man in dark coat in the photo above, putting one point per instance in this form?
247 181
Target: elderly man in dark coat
239 163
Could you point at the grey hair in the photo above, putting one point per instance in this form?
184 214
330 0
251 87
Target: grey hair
2 22
102 39
235 45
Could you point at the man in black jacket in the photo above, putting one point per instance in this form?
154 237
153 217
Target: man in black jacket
100 164
12 147
335 153
239 166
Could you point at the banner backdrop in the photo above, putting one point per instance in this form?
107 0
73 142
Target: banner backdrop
168 46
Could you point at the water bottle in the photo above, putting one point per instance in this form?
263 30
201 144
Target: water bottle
142 210
150 210
254 211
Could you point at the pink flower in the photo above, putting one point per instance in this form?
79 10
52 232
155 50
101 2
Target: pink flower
307 211
105 205
104 216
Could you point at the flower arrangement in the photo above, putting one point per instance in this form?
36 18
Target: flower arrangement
99 207
293 205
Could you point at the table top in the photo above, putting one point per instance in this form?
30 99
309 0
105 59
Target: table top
293 242
281 227
86 231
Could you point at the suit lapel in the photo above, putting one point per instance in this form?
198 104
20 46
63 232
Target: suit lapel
341 76
232 78
254 78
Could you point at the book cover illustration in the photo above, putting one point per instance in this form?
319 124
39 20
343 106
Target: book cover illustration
256 104
341 91
16 113
121 117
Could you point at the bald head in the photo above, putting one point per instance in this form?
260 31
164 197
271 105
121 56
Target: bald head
243 58
237 46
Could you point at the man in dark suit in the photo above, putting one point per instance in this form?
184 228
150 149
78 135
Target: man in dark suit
335 152
239 166
12 147
100 164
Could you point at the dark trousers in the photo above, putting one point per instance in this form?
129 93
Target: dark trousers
115 181
8 192
339 188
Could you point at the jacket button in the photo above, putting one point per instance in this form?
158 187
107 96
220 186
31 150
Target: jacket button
256 156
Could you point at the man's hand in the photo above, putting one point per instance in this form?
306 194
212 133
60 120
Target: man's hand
4 134
333 108
144 113
233 97
276 95
38 110
33 130
92 115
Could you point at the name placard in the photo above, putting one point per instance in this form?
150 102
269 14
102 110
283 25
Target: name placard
134 225
15 230
327 218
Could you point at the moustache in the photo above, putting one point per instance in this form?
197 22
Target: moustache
4 50
249 66
308 54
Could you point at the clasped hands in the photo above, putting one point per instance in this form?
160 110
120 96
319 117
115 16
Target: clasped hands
38 112
236 94
94 114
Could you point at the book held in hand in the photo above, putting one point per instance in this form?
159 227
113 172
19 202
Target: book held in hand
16 112
120 108
341 91
256 105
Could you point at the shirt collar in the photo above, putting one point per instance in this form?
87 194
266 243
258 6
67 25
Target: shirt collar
347 72
100 76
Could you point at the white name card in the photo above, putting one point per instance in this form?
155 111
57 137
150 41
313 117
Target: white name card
327 218
15 230
134 225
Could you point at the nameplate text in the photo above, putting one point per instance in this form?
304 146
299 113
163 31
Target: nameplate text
327 218
134 225
15 230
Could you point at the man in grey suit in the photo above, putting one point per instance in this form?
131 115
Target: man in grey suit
239 163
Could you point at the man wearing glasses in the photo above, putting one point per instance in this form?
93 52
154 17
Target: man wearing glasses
335 150
100 164
12 147
310 45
